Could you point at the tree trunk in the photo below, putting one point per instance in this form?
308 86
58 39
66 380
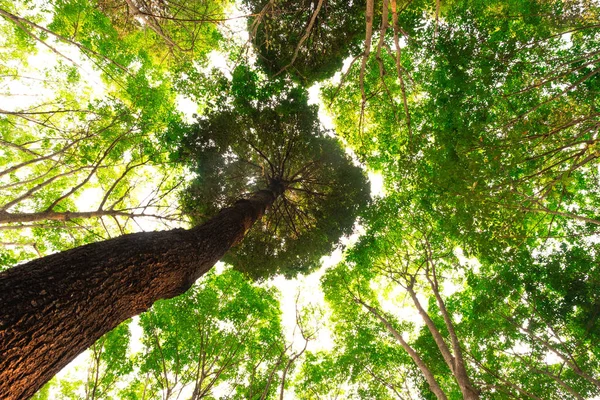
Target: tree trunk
429 377
454 362
55 307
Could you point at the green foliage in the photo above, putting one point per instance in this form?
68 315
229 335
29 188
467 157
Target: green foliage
492 127
366 358
326 377
526 319
279 26
168 31
44 392
223 331
95 162
534 316
265 134
79 136
482 116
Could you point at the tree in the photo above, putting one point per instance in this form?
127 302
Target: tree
57 306
483 134
263 133
481 116
490 117
403 256
543 304
46 171
309 39
77 125
223 332
520 325
68 300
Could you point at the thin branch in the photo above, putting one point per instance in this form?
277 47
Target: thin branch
307 31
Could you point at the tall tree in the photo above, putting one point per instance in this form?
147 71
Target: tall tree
518 325
260 134
489 117
80 118
482 116
55 307
224 334
308 39
402 257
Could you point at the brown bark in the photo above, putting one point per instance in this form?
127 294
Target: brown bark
53 308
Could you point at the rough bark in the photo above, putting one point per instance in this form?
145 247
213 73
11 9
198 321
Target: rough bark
53 308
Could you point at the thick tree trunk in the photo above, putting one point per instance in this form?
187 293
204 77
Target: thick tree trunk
53 308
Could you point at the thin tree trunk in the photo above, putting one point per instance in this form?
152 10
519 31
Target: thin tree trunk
53 308
460 372
429 377
8 218
456 367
